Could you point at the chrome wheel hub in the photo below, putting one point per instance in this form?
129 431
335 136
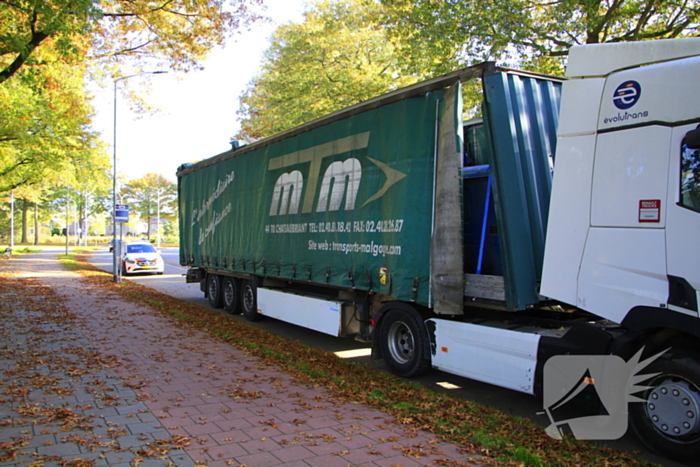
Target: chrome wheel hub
674 408
248 298
401 342
228 294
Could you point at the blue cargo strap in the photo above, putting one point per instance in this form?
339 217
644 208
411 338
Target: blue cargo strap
484 224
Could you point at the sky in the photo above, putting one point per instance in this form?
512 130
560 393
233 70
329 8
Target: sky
196 115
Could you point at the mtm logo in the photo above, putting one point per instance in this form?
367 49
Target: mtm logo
341 180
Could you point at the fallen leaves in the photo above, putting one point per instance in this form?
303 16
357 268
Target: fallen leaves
9 450
49 379
160 448
417 407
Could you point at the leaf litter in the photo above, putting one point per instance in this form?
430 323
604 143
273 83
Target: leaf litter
454 420
42 367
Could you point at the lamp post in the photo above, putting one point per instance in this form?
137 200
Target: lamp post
115 261
158 224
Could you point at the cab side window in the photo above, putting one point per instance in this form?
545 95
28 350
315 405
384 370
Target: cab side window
690 177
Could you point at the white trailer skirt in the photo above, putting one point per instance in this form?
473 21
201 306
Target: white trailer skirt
320 315
497 356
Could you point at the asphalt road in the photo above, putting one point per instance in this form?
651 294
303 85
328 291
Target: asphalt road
172 282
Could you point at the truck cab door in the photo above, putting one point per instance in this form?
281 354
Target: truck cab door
683 220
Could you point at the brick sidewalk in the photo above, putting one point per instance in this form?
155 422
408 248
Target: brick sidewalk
141 384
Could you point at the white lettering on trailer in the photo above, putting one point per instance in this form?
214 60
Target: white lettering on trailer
379 226
315 156
374 249
287 190
336 175
216 220
221 185
341 179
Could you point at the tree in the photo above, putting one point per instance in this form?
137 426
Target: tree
338 56
535 33
44 126
175 32
150 195
48 48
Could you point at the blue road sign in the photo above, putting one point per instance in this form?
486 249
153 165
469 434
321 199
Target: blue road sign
121 212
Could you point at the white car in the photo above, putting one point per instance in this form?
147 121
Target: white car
141 257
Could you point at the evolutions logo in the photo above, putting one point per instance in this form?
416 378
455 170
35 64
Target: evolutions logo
625 97
627 94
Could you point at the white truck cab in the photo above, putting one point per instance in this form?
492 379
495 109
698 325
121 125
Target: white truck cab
624 223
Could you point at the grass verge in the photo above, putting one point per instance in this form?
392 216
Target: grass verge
497 437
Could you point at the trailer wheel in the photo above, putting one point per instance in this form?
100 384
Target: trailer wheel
669 421
214 290
403 340
230 295
249 302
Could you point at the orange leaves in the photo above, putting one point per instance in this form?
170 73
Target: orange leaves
271 422
239 393
9 450
77 463
160 448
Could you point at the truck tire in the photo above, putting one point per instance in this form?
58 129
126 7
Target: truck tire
403 340
249 301
214 291
230 295
669 421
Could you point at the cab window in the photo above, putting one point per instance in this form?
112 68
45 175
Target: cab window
690 177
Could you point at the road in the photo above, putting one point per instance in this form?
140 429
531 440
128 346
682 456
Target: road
172 282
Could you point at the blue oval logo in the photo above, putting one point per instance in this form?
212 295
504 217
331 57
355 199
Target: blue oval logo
627 94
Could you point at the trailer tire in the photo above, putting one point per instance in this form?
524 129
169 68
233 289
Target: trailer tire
230 295
249 301
675 394
402 341
214 291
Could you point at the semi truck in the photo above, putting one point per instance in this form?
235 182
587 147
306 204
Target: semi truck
562 223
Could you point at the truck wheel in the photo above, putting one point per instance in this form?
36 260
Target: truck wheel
249 302
669 421
403 340
214 291
230 295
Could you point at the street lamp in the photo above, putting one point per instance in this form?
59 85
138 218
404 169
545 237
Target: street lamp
115 262
158 224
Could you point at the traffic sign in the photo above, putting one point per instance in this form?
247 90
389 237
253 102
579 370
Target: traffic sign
121 212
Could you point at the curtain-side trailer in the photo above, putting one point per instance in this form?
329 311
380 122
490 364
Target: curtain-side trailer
564 222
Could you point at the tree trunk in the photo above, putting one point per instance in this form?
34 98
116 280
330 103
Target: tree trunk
25 226
36 223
